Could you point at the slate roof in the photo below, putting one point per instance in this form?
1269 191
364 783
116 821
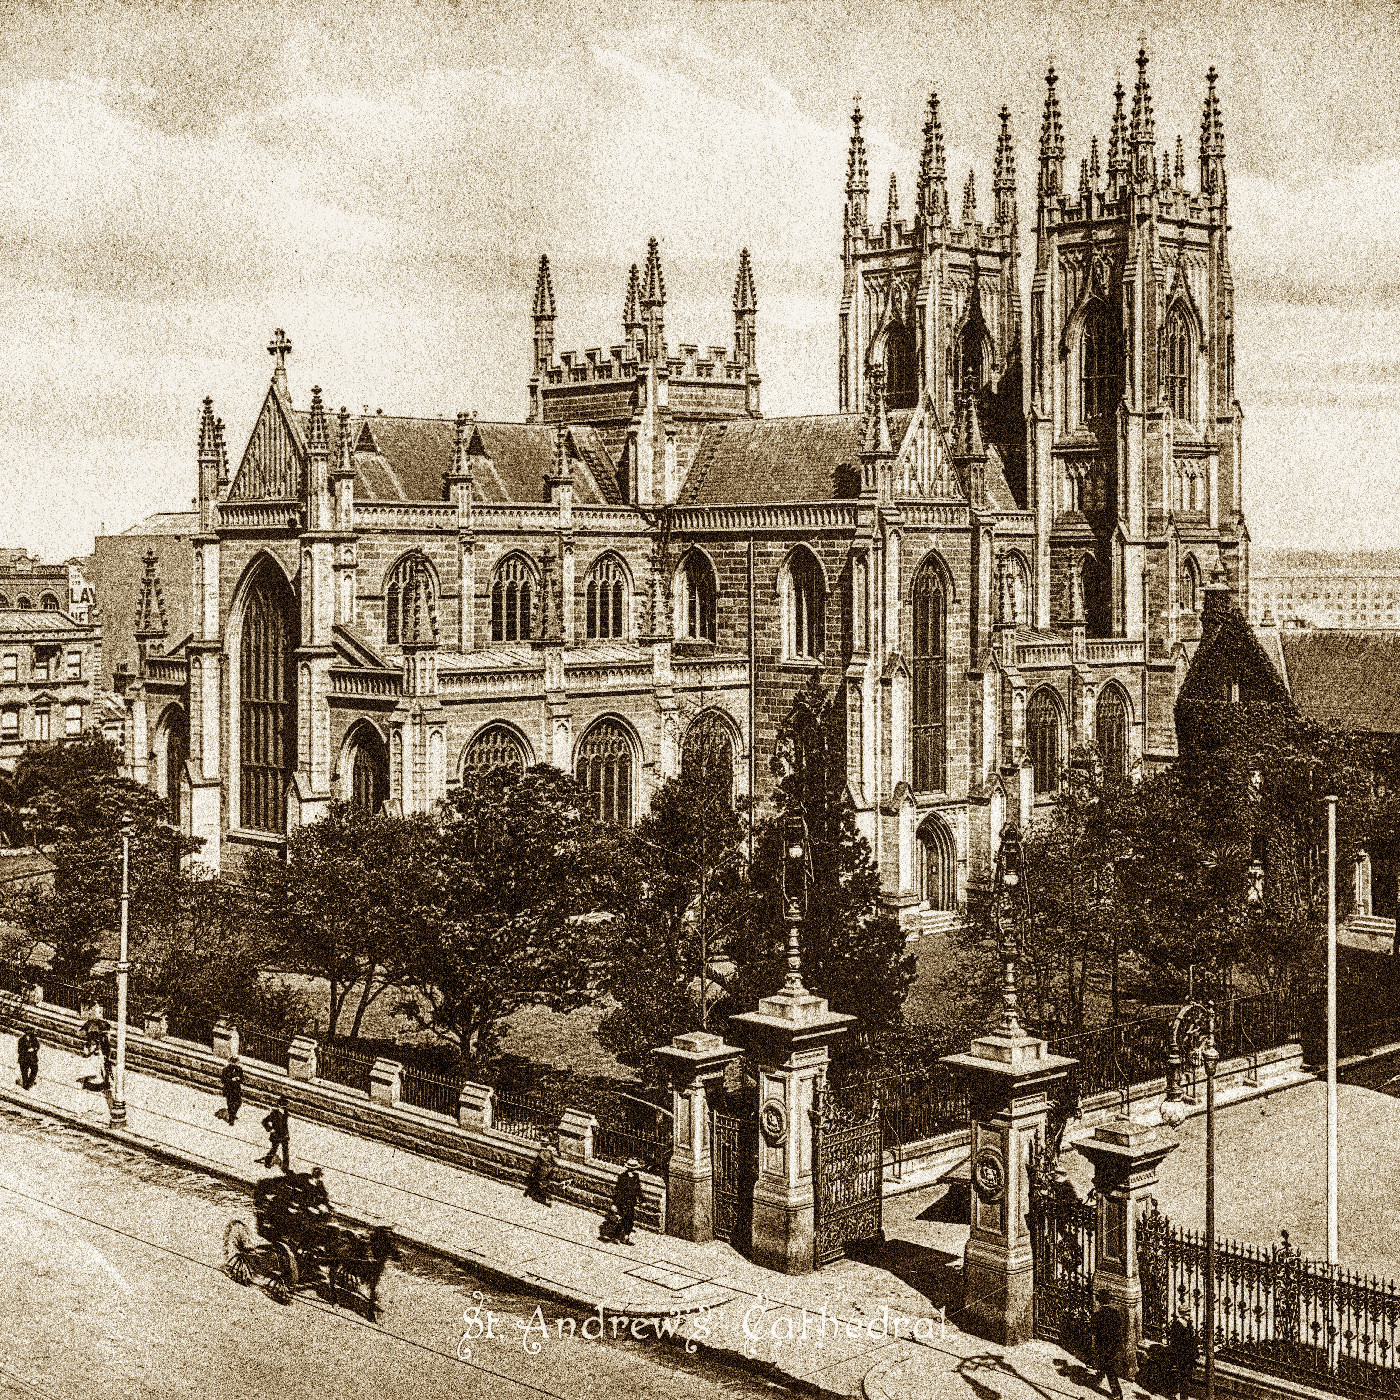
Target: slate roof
167 522
403 459
27 620
1345 677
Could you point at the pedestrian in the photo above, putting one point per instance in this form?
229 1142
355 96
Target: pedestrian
1182 1348
279 1136
621 1219
28 1052
542 1174
104 1044
1107 1330
92 1072
232 1080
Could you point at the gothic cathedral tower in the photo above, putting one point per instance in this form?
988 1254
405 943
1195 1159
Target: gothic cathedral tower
1134 432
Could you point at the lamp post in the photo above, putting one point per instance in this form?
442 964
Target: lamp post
1331 1029
794 895
1196 1023
123 968
1009 897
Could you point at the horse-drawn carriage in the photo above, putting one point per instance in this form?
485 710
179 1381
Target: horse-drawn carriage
305 1243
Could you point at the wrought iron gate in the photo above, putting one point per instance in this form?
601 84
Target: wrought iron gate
734 1155
849 1180
1064 1236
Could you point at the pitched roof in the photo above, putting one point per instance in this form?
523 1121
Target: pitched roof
33 620
403 459
167 522
1345 677
758 461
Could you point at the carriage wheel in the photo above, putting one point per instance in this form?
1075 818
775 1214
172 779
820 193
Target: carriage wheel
284 1284
238 1252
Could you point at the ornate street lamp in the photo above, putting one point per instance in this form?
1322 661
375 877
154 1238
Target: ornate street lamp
118 1108
794 895
1010 907
1195 1025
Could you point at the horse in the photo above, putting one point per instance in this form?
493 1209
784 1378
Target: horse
358 1262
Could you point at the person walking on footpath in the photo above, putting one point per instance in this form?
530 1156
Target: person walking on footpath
621 1219
1182 1349
28 1051
232 1080
279 1136
1107 1328
542 1174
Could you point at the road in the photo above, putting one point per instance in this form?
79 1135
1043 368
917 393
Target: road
110 1283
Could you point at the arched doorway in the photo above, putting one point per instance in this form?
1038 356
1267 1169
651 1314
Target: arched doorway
368 758
707 756
938 864
267 702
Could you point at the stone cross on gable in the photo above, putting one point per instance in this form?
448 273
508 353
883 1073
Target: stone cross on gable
279 347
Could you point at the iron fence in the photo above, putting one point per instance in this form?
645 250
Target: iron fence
342 1066
527 1115
913 1107
261 1045
1276 1312
617 1142
438 1093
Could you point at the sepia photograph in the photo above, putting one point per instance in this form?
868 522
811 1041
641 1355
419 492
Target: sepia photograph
700 700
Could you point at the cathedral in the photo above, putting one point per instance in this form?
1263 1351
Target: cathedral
992 554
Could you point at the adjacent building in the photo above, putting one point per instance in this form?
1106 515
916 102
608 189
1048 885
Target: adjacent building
992 552
1314 588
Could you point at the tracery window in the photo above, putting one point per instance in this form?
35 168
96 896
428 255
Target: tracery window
177 750
512 597
1111 732
930 658
695 599
707 756
1043 740
605 602
802 597
267 730
1102 364
1177 364
496 746
604 769
398 596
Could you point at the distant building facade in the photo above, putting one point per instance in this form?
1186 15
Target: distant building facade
991 554
1319 589
48 669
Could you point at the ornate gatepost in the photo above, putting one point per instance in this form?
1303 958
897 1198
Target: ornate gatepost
696 1063
1010 1075
789 1037
1126 1156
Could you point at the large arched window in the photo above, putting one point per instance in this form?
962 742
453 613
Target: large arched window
606 599
49 603
707 756
1017 594
368 757
901 368
512 596
397 596
496 746
1176 378
972 359
1102 380
1111 733
177 750
938 876
1043 739
23 601
267 711
695 599
1191 585
803 595
930 681
604 768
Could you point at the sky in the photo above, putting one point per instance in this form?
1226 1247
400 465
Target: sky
178 180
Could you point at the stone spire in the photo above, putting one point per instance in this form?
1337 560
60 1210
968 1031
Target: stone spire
654 303
1004 182
632 314
969 209
1052 141
1212 142
745 312
892 211
857 175
543 312
317 439
1179 170
1143 127
933 167
150 607
1119 157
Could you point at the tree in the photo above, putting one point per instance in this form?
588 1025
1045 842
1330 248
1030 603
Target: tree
685 889
853 949
524 877
355 892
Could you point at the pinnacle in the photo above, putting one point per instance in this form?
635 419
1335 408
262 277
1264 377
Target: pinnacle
544 291
343 448
877 440
1052 136
1179 170
632 307
1006 153
316 427
969 209
655 292
206 429
1094 171
893 213
933 169
1142 102
745 298
1118 136
856 172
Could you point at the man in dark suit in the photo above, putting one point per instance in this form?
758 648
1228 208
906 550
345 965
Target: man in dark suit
279 1136
28 1050
232 1080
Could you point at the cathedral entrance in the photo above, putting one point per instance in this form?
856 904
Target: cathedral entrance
938 883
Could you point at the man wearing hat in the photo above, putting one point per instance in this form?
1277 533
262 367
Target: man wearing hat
1182 1348
622 1218
279 1136
232 1081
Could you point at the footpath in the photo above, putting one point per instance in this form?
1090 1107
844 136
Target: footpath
855 1327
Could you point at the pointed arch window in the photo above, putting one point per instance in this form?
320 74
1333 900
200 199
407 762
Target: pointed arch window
901 368
930 681
695 599
605 601
495 747
1043 740
1178 364
177 750
971 359
707 756
1102 364
803 596
1111 733
267 710
398 596
512 599
604 770
1191 586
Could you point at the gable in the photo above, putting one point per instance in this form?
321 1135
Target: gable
274 459
1230 652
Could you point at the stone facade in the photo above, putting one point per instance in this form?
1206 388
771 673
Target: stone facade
980 557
